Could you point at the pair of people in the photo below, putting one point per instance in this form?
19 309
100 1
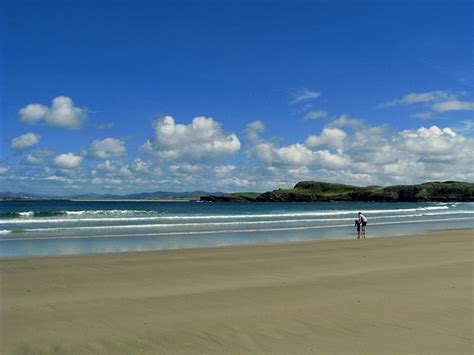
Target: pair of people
361 225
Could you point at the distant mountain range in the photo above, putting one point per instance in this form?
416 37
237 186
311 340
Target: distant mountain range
304 191
142 195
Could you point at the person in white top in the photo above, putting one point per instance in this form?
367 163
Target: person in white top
363 224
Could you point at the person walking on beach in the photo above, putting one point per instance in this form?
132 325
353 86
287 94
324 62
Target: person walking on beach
363 224
357 225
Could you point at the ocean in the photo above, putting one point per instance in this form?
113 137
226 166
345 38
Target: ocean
46 228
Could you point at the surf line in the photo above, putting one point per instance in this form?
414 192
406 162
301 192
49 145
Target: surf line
228 223
225 231
249 216
244 221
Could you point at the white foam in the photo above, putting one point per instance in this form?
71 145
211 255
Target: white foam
26 214
5 231
234 223
74 213
368 213
160 218
166 234
443 207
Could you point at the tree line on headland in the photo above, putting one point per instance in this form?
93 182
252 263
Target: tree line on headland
312 191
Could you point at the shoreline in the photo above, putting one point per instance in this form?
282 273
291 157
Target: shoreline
390 295
408 235
170 235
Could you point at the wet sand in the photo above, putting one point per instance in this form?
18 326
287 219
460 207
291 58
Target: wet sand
398 295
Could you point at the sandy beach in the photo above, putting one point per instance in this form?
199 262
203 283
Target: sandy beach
398 295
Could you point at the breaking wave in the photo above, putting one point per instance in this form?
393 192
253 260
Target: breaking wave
46 214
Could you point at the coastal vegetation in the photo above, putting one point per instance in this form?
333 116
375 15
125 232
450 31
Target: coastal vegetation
308 191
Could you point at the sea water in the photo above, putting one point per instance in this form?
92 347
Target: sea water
42 228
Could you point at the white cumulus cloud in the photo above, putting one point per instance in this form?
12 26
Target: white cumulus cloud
201 140
369 155
294 154
67 161
108 147
330 137
328 160
62 113
25 141
32 113
433 140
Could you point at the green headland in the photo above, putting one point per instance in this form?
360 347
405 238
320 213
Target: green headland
309 191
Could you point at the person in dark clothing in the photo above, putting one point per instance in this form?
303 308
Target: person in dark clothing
357 225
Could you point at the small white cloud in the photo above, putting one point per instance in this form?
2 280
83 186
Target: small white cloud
421 97
62 113
329 137
223 170
67 161
32 113
108 147
141 166
103 125
4 169
236 182
107 166
315 115
329 160
295 154
264 151
125 171
25 141
253 130
56 178
32 159
112 181
346 121
97 181
157 171
38 156
304 95
201 140
453 105
423 115
185 168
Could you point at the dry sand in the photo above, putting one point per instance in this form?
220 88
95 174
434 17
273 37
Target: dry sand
400 295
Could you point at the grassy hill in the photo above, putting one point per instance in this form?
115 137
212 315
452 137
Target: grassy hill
307 191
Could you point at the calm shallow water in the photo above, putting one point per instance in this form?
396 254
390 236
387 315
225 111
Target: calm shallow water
40 228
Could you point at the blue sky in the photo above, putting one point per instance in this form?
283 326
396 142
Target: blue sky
129 96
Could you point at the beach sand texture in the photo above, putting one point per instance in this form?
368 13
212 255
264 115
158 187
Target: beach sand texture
399 295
